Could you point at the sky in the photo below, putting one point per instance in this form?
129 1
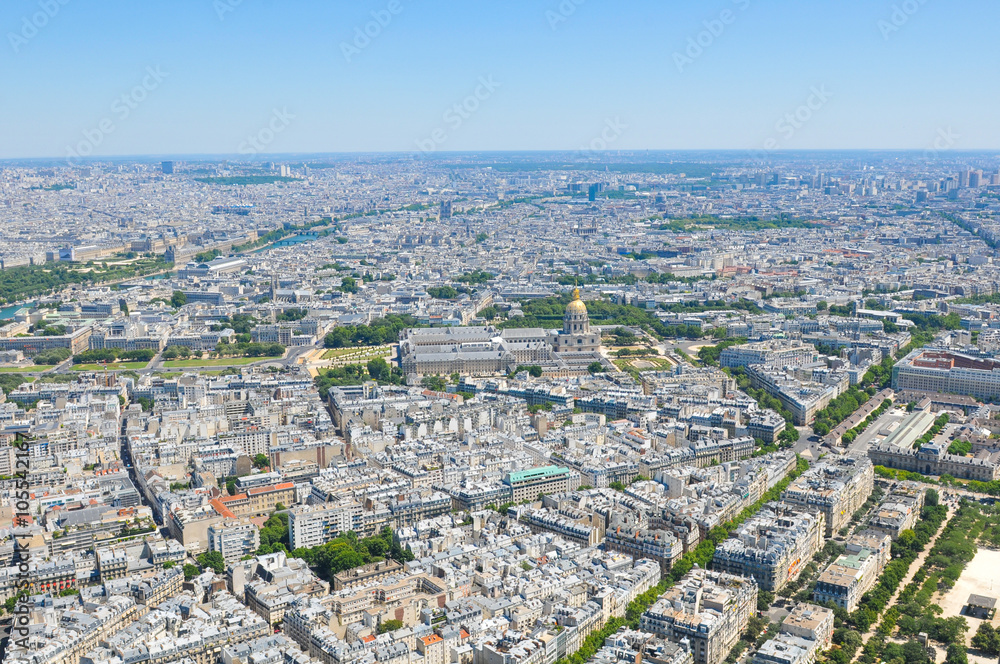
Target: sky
253 77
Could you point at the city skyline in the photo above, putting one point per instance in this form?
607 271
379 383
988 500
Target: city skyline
559 332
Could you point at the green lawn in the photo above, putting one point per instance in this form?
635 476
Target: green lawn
34 368
374 351
221 362
117 366
658 363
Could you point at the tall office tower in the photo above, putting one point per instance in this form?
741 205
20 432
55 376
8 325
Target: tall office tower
976 178
167 167
963 178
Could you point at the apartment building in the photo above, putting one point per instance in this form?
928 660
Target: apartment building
366 574
312 525
772 546
233 539
770 354
845 581
663 546
527 484
707 608
806 631
837 487
256 502
76 341
899 510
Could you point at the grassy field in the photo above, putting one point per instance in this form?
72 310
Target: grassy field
650 363
367 352
117 366
34 368
221 362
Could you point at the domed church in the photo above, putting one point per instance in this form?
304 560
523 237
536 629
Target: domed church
576 336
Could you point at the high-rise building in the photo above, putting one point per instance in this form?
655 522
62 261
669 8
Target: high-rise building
233 539
314 525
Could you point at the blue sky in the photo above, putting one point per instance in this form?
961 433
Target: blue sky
569 75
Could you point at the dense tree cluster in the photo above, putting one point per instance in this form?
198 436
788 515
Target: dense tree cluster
960 447
839 409
380 331
207 256
987 639
10 381
856 431
114 355
928 436
250 349
239 323
349 551
442 292
355 374
474 278
52 356
20 283
549 313
291 315
212 560
748 223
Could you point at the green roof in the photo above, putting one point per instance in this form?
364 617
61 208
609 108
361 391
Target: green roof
537 473
855 560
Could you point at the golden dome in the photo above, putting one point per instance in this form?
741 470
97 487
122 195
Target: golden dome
576 307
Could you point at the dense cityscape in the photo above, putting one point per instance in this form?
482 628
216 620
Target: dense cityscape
501 408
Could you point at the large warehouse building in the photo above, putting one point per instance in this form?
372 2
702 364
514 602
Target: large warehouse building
938 370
